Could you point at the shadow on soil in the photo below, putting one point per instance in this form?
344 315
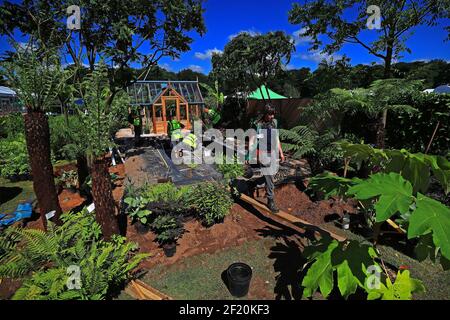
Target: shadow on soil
9 193
287 255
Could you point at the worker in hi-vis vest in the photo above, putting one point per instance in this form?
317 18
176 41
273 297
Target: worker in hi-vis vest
190 142
134 118
213 116
174 130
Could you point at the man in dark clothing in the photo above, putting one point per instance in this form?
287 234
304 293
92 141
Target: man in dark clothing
137 124
268 148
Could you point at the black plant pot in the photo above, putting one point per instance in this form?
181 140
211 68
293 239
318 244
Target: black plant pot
239 275
169 249
141 228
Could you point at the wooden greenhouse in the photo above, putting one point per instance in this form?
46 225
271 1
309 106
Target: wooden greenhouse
159 99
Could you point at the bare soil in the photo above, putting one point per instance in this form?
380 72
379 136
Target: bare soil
238 227
290 199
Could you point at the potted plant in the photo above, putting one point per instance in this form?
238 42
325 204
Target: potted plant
168 229
137 210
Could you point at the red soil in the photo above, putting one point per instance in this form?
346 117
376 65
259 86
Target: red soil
291 200
239 226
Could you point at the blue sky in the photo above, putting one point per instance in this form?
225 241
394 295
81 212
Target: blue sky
225 18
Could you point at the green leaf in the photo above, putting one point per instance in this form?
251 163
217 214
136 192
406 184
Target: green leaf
330 185
394 192
346 280
402 289
320 274
431 216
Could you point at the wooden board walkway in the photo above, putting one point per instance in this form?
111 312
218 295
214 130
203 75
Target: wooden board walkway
292 221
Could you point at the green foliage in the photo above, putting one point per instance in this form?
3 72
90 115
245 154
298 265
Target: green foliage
249 61
393 192
11 125
211 200
68 179
104 111
66 137
299 140
414 131
214 97
136 208
13 157
168 228
230 168
330 185
152 200
328 18
415 167
167 192
430 216
42 259
37 77
402 288
330 261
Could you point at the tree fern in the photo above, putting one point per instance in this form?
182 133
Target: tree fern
42 259
299 140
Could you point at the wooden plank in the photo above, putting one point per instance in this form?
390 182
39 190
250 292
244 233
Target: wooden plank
142 291
290 218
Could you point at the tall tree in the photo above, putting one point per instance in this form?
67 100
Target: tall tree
38 79
398 19
250 61
99 125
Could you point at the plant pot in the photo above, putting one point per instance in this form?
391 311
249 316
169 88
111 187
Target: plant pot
169 249
141 228
239 276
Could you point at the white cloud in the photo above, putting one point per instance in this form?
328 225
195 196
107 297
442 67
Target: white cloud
289 67
207 54
166 66
251 32
318 56
195 68
299 37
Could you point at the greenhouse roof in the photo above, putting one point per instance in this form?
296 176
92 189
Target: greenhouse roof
257 94
146 92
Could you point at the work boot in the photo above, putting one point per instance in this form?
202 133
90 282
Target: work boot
272 206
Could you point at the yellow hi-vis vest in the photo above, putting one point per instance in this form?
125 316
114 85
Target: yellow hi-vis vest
190 140
176 135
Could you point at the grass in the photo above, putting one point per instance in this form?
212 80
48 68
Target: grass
200 277
12 193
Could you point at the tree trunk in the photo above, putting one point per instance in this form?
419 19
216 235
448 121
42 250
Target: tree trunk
381 128
381 125
105 209
82 170
37 135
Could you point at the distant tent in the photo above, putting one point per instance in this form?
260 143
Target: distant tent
257 94
439 90
442 89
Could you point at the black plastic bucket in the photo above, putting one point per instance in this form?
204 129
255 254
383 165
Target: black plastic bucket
239 275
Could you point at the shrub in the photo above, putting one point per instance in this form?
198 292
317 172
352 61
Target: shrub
68 179
168 228
43 259
12 125
211 200
231 170
14 157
